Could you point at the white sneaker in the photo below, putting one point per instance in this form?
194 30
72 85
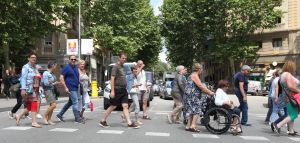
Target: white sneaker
39 116
10 115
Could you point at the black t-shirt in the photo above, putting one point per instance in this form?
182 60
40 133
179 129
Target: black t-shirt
240 77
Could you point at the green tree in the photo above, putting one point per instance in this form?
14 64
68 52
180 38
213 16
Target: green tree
130 26
23 22
215 30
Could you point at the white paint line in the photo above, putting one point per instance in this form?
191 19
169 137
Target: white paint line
17 128
254 138
261 116
63 130
205 136
295 139
161 113
110 132
157 134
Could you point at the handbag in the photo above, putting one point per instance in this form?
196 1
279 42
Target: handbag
133 90
292 100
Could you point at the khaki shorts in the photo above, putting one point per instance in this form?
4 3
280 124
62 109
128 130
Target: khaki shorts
144 95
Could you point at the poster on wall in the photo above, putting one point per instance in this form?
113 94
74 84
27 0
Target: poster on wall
87 46
72 47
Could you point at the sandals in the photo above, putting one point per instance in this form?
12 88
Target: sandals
36 125
192 130
146 118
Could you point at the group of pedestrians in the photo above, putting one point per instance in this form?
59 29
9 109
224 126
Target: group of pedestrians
27 90
124 83
284 89
190 96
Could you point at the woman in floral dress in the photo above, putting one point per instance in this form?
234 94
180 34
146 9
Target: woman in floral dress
192 102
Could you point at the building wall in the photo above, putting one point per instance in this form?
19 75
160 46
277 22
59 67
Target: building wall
288 30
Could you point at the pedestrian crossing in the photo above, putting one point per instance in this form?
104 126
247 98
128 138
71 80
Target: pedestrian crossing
153 134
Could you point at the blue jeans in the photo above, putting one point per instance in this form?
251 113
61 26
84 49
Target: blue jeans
135 104
74 100
276 113
243 106
282 117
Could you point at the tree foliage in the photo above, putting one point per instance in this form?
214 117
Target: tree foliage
214 30
124 25
22 22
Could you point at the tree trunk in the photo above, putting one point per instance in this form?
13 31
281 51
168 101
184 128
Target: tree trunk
6 51
232 67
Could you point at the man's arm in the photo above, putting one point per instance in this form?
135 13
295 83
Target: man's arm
241 85
62 81
112 87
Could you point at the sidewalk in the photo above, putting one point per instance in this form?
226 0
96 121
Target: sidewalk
6 105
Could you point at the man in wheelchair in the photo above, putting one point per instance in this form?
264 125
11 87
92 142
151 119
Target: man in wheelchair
222 100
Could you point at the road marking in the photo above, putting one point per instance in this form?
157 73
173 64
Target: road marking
63 130
110 132
157 134
295 139
254 138
161 113
205 136
17 128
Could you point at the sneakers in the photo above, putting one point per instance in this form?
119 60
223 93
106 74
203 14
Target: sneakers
81 121
103 124
276 129
133 125
39 116
272 127
60 118
10 115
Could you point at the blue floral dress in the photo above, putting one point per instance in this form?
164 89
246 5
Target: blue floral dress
193 103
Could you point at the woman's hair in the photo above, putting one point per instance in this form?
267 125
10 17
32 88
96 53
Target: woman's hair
81 62
31 53
197 66
51 64
289 66
223 83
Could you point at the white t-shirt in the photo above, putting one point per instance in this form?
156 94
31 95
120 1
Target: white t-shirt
273 87
142 79
221 97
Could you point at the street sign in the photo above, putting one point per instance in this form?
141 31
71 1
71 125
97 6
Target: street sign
72 47
87 46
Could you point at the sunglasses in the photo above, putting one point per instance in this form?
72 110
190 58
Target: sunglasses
73 59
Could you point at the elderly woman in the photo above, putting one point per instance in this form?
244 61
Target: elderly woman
178 86
84 81
222 99
49 80
29 89
290 86
192 102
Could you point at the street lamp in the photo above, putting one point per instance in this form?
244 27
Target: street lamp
274 63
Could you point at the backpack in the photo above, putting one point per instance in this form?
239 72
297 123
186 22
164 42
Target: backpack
15 79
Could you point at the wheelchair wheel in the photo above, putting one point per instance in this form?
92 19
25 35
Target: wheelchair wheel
217 120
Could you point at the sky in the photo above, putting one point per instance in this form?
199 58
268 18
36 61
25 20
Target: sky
156 4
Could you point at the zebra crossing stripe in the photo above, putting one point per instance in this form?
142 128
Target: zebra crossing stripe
295 139
69 130
17 128
157 134
205 136
110 132
254 138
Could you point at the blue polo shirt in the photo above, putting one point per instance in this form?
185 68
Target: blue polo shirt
71 76
240 77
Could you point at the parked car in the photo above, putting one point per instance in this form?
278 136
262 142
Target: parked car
165 90
256 88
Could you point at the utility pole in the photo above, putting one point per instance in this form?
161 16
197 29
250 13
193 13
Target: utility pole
79 26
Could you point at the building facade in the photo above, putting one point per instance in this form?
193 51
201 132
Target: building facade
282 42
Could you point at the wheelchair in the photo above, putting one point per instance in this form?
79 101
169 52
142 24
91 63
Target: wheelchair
219 120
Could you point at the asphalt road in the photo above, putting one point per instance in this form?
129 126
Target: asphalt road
156 130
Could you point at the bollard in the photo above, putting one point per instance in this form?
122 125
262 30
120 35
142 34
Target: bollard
94 89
